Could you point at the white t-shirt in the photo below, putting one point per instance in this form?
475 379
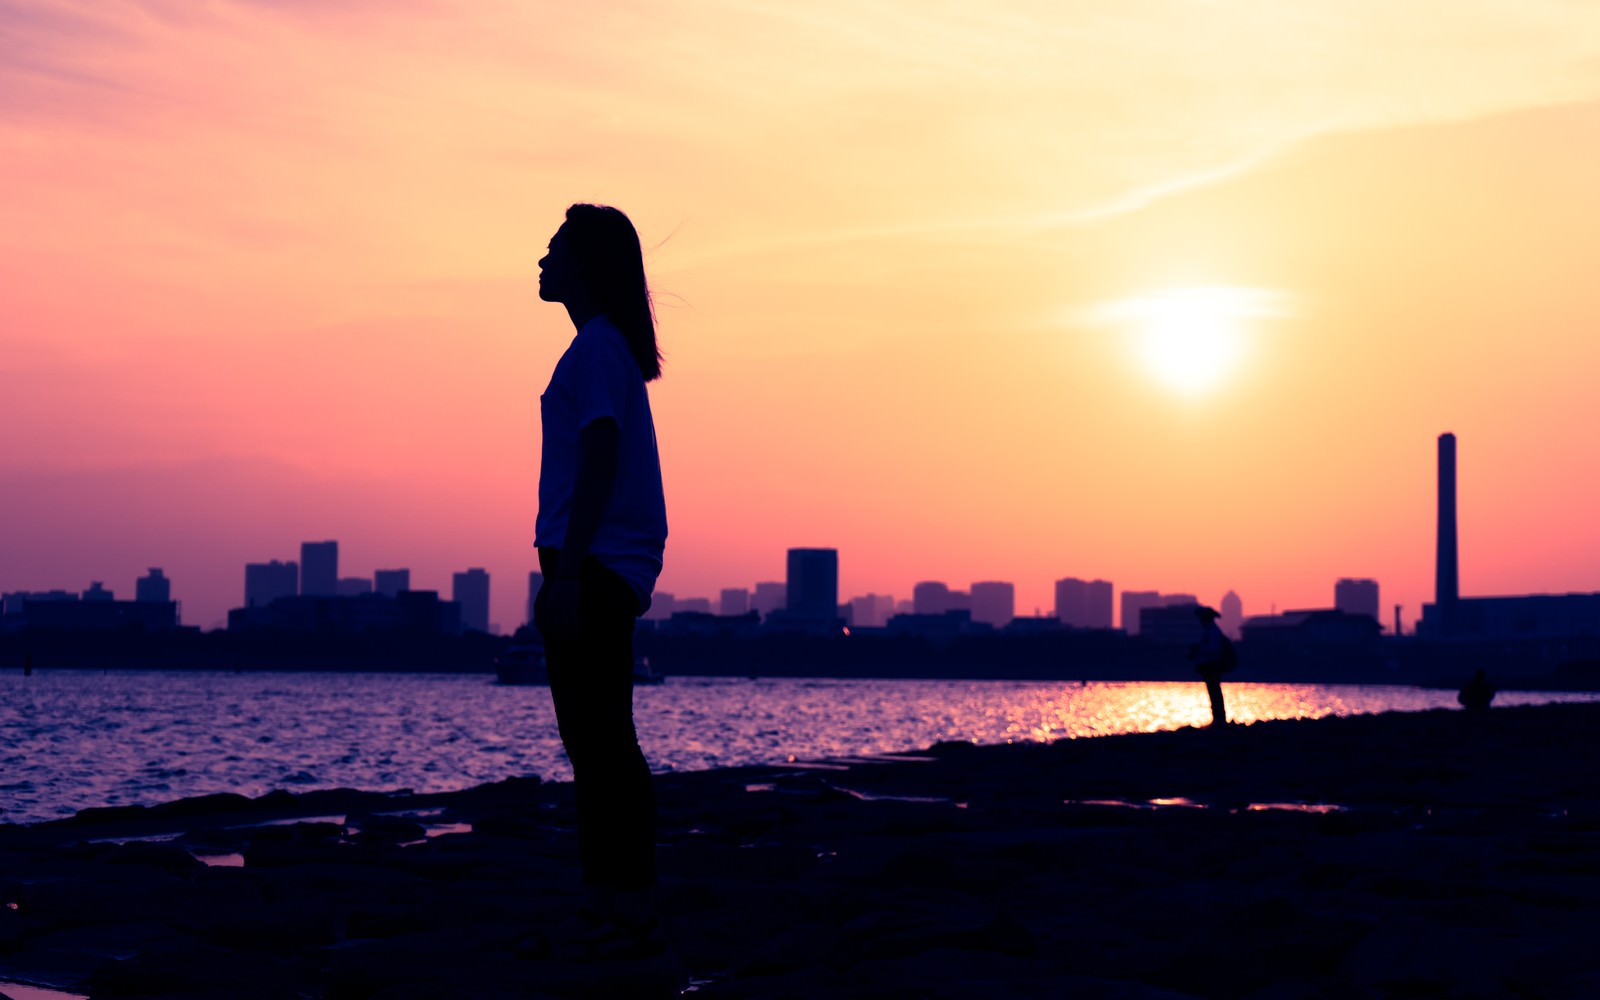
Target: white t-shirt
597 377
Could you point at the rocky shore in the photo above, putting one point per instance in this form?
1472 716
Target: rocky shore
1402 855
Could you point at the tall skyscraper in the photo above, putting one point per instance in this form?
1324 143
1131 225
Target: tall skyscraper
1072 601
813 583
319 569
471 591
1357 597
734 601
1134 601
152 588
1084 603
994 603
389 582
1099 604
931 597
266 582
535 583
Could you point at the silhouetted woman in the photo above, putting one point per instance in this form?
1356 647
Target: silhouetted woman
1212 657
600 533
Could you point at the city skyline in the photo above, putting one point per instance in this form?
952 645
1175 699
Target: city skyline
266 581
1035 292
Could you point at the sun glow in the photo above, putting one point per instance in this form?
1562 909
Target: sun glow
1190 340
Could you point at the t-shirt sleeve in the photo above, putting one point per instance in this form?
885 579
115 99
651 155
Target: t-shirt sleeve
601 386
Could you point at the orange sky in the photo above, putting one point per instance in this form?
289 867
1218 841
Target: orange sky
267 275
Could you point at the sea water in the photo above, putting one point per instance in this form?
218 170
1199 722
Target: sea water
71 739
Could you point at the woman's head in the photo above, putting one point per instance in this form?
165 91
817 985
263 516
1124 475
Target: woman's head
595 257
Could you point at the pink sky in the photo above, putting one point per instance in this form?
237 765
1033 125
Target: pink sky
267 276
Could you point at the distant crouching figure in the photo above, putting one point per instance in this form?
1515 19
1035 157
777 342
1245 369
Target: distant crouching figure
1213 656
1477 693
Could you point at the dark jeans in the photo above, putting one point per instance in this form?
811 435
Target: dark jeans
1219 715
591 684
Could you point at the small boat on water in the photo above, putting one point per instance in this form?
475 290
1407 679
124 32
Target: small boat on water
523 663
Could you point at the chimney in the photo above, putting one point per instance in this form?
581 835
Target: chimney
1447 585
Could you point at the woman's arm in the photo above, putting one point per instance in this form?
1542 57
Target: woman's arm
599 444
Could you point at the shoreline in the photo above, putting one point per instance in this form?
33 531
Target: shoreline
1386 854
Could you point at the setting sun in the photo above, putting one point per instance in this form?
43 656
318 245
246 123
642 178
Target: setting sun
1190 340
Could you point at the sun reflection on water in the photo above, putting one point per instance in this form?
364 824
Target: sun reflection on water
74 739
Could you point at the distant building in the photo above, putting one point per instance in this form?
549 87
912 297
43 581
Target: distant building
14 601
693 605
354 586
1134 602
13 606
319 569
1534 616
471 591
994 603
733 601
662 605
1232 612
1071 601
389 582
1084 603
97 609
931 597
682 623
1099 604
1174 623
1357 597
936 626
871 610
414 612
813 583
535 584
769 597
152 588
1337 637
98 613
1033 624
266 582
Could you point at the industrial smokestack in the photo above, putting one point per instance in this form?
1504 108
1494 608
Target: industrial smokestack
1447 584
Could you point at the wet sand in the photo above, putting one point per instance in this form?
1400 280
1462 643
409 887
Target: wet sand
1403 855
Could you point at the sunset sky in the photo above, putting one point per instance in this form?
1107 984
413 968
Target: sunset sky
1176 294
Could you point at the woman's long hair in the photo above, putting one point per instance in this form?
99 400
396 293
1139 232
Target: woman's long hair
605 247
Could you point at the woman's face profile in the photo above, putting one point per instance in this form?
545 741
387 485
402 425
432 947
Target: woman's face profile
558 274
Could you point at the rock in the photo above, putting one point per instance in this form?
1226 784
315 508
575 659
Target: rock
201 805
387 829
194 967
170 858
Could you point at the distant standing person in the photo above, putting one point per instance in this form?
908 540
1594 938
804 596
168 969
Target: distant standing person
1213 656
1476 693
601 531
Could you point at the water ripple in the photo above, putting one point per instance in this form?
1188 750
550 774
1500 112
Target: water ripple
73 739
